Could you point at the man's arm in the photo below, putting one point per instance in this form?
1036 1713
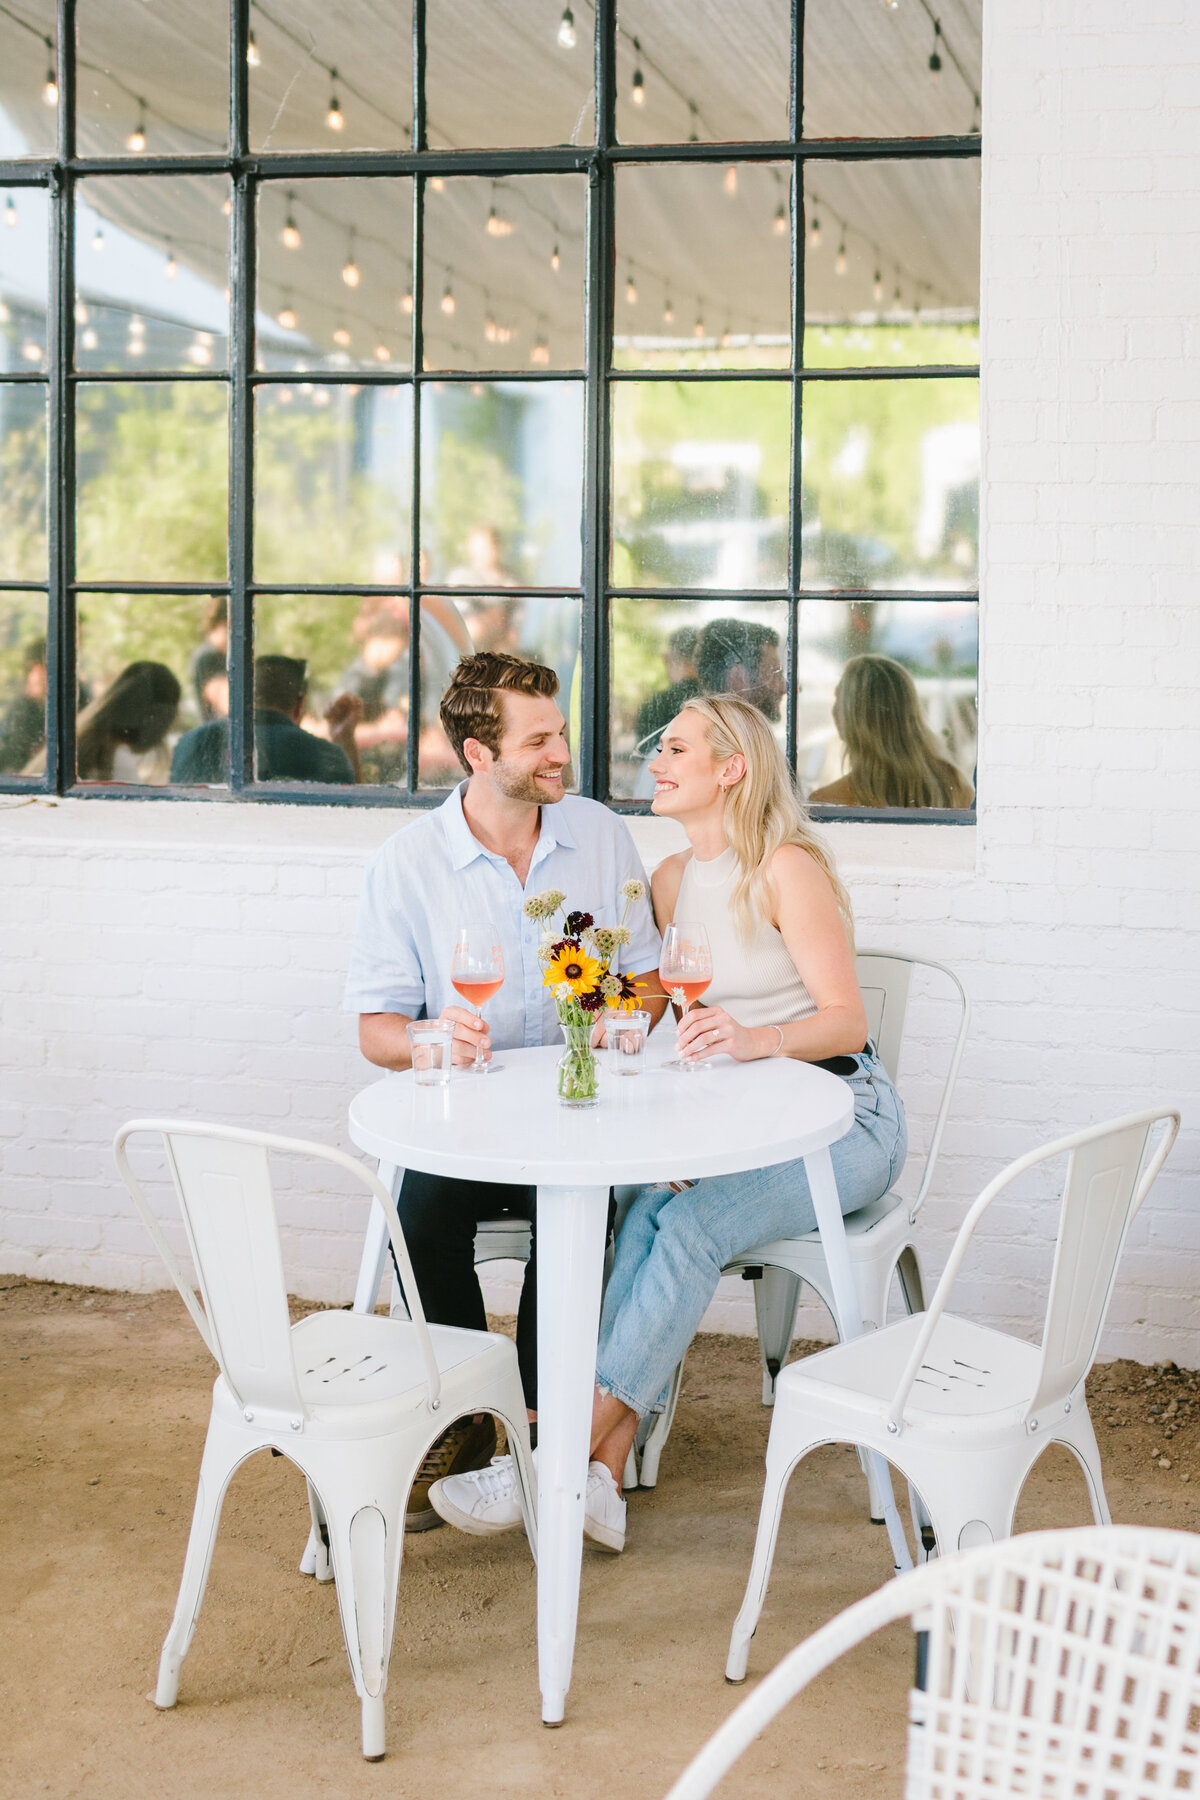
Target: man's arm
383 1039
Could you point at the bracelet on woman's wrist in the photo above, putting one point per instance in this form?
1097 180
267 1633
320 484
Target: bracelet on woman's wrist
779 1046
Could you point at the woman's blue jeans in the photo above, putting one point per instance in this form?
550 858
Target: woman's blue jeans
672 1247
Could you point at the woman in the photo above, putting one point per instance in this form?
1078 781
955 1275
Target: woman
894 758
783 985
116 733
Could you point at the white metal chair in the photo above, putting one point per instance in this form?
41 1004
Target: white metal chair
355 1402
879 1237
973 1408
1062 1664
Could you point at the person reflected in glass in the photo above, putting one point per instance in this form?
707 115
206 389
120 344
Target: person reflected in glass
482 565
284 751
209 657
893 757
378 676
739 656
121 735
23 723
683 683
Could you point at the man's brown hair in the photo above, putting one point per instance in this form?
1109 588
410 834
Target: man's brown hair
471 705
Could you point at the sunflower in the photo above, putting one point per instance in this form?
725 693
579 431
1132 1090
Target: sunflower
575 968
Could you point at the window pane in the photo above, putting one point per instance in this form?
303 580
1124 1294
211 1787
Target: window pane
508 72
664 652
908 672
704 267
331 77
493 296
890 484
151 668
152 78
867 69
700 484
23 481
24 248
333 473
22 681
706 72
28 80
151 267
542 627
152 481
891 263
501 483
335 275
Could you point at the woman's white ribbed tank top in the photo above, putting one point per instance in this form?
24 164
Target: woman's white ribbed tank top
756 981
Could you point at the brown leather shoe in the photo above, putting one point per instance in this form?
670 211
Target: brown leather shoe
464 1446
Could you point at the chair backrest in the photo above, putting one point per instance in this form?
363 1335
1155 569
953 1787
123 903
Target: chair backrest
885 978
1109 1174
223 1180
1060 1664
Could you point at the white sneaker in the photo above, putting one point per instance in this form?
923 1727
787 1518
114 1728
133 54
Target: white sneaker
483 1502
604 1514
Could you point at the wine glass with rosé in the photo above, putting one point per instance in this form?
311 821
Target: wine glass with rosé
477 972
685 970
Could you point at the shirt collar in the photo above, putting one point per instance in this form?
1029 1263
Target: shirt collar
464 846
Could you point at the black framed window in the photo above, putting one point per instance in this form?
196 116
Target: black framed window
333 347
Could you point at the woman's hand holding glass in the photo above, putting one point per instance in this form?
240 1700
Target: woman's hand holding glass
709 1031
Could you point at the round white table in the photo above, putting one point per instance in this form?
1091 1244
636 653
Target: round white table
509 1126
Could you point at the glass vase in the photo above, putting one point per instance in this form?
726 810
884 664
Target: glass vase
578 1074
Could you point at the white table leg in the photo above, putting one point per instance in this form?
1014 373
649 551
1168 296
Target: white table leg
375 1244
571 1228
822 1185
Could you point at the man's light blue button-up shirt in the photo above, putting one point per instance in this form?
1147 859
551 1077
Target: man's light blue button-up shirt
435 876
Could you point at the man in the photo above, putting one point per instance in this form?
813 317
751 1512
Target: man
506 833
285 752
737 656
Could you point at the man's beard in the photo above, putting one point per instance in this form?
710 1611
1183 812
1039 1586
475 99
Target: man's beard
518 784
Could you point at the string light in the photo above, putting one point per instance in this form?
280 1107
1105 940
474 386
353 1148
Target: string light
437 183
320 396
287 316
290 237
341 337
50 85
497 225
727 338
10 212
136 345
878 287
731 180
975 117
5 315
566 30
840 260
814 235
698 327
136 141
448 300
630 289
30 351
81 313
780 225
935 60
97 238
227 206
382 353
333 118
539 355
668 312
638 91
200 351
252 56
406 301
693 135
89 339
897 302
489 328
351 273
555 259
171 266
890 5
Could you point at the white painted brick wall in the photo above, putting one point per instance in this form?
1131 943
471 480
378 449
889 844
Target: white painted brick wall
163 958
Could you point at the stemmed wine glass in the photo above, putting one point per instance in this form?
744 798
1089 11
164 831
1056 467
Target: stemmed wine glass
685 970
477 972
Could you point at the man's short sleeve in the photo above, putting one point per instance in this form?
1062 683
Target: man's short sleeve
385 968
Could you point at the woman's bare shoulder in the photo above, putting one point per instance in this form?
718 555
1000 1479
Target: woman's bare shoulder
791 870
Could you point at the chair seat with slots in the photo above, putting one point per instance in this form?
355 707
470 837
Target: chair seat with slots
972 1408
354 1401
1061 1664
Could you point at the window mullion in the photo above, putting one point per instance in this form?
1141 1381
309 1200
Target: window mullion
241 418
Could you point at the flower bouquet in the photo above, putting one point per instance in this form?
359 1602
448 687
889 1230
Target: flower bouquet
578 970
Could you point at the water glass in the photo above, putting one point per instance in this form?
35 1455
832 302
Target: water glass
627 1033
431 1041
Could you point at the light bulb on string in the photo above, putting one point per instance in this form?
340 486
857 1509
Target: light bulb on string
730 183
136 141
171 266
693 134
890 5
50 85
637 92
878 289
81 313
840 260
555 259
89 340
975 118
253 59
566 30
438 183
351 274
97 238
668 312
814 234
497 225
698 327
897 300
333 117
630 290
727 338
10 212
779 224
200 350
406 301
489 327
227 206
30 351
935 58
5 315
539 355
448 301
287 316
290 237
341 337
382 353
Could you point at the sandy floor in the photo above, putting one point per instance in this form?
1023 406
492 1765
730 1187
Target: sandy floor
105 1402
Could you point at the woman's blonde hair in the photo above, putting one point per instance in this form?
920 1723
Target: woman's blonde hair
894 758
763 811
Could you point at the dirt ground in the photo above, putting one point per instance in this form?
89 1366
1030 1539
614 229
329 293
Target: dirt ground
105 1399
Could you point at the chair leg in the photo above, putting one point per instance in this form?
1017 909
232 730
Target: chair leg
660 1431
776 1297
746 1624
315 1560
366 1561
1081 1440
912 1283
216 1471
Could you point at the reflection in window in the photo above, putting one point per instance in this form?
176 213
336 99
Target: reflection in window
22 680
501 481
890 474
24 246
664 652
23 481
331 78
152 79
151 498
28 80
500 75
702 71
700 484
886 712
704 267
504 273
334 483
891 71
151 267
151 667
335 275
